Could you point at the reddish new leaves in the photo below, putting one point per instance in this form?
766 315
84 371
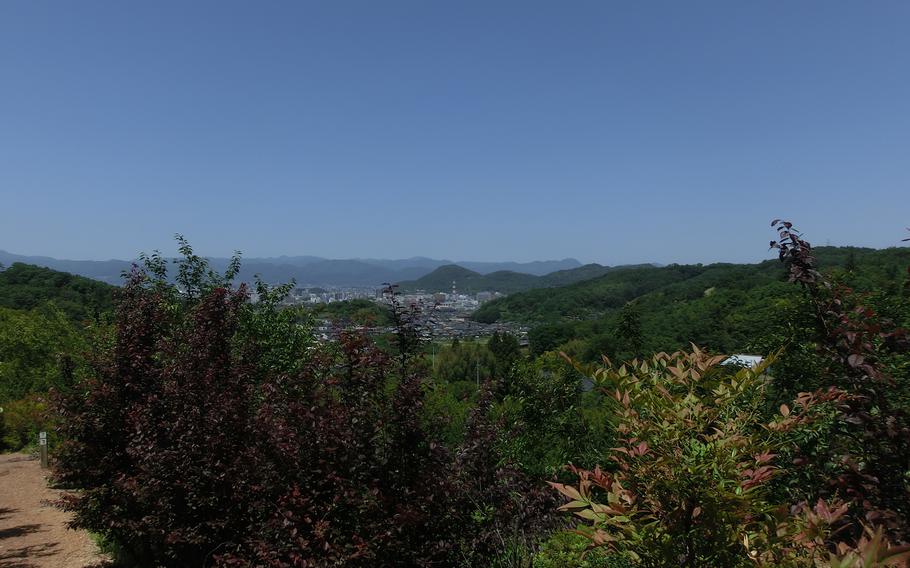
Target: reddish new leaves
203 439
873 454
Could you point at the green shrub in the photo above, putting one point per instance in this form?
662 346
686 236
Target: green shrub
465 361
689 481
212 432
20 422
36 347
571 550
541 404
689 476
447 408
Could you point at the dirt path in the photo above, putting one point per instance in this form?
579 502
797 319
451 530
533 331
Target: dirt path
32 533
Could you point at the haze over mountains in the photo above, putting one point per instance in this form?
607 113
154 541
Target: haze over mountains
309 270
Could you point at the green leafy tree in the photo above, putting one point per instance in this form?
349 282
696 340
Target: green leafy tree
21 420
465 362
24 287
542 404
850 264
550 336
357 312
37 350
628 330
507 351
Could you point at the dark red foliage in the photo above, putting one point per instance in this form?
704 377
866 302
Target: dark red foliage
153 438
189 451
874 455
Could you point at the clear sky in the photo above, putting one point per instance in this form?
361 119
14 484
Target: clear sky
613 132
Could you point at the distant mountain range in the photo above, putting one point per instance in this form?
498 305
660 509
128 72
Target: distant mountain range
309 270
504 281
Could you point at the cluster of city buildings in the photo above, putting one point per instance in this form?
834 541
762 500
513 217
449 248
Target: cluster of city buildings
445 326
442 301
447 315
443 316
437 326
314 296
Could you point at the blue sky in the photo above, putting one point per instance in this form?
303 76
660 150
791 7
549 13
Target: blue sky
613 132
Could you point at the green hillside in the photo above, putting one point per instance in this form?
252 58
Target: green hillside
503 281
43 335
468 281
358 312
586 272
725 307
583 300
24 287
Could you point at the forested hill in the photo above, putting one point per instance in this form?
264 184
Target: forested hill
24 286
721 306
503 281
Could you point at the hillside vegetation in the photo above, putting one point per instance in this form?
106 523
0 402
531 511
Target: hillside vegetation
208 429
213 423
724 307
46 319
24 286
502 281
359 311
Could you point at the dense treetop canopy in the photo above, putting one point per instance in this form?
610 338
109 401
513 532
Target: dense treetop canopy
724 307
24 286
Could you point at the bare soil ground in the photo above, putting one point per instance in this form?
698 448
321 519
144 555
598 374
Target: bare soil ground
33 533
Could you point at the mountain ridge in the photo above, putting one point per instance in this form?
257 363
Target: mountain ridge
306 270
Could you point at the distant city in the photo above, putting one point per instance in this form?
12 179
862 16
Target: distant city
325 281
445 315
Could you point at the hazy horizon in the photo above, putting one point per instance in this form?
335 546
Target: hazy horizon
173 253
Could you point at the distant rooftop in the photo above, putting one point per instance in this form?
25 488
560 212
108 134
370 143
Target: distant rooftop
740 360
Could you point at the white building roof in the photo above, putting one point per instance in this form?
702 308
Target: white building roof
744 360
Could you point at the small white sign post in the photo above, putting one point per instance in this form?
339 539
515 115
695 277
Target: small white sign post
42 448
